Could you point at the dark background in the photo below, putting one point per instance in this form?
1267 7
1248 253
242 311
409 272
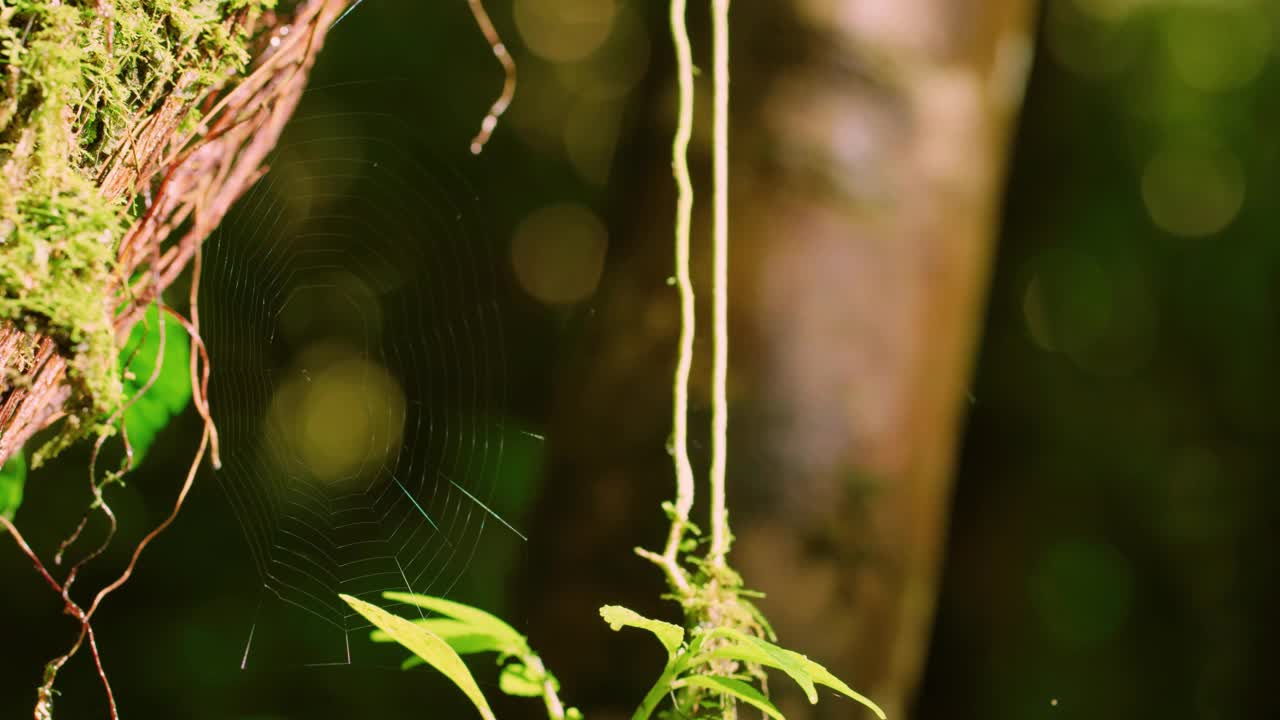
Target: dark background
1110 553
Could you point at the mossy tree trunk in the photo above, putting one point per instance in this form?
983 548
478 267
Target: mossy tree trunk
870 148
127 129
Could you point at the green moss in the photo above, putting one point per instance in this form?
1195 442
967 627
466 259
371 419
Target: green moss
71 84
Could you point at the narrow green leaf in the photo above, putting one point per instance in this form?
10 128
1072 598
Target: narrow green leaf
465 639
823 676
516 680
736 688
482 622
151 411
805 672
430 648
13 476
750 649
671 636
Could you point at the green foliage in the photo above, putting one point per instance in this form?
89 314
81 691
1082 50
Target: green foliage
671 636
430 647
464 639
478 622
147 413
13 477
694 662
805 672
467 631
688 664
735 688
517 680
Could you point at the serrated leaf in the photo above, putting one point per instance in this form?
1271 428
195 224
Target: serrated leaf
515 680
434 651
13 477
169 395
736 688
671 636
805 672
462 637
480 621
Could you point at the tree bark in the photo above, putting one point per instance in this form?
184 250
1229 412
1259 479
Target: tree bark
869 152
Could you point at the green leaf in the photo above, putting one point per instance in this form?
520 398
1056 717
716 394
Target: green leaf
463 638
801 669
516 680
736 688
151 411
759 652
823 676
430 648
481 622
671 636
13 476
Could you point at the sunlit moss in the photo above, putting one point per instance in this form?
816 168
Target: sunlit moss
73 80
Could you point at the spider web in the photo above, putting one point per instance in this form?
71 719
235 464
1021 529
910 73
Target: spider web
351 307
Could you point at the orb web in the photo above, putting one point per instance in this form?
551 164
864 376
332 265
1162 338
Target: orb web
350 303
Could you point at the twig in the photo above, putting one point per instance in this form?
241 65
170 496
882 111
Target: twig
44 694
509 69
720 536
146 540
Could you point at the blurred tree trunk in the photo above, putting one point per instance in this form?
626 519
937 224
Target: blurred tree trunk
869 148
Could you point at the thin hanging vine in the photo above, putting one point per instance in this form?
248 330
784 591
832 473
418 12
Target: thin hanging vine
717 660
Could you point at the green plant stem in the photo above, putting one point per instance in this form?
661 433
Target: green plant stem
720 536
555 708
659 691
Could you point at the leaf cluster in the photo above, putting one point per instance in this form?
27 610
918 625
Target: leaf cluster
464 630
440 641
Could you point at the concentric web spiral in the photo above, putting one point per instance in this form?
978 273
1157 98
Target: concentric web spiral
351 307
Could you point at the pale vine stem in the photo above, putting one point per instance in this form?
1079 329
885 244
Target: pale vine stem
720 536
669 559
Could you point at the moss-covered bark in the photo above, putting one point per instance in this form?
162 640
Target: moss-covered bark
80 83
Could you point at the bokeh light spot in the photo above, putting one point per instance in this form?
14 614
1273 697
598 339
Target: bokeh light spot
1111 10
339 415
590 137
1127 338
1201 501
564 30
616 67
558 253
336 304
1082 43
1082 590
1217 47
1193 187
1069 302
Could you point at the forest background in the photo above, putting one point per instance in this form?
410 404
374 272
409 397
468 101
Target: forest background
1107 548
